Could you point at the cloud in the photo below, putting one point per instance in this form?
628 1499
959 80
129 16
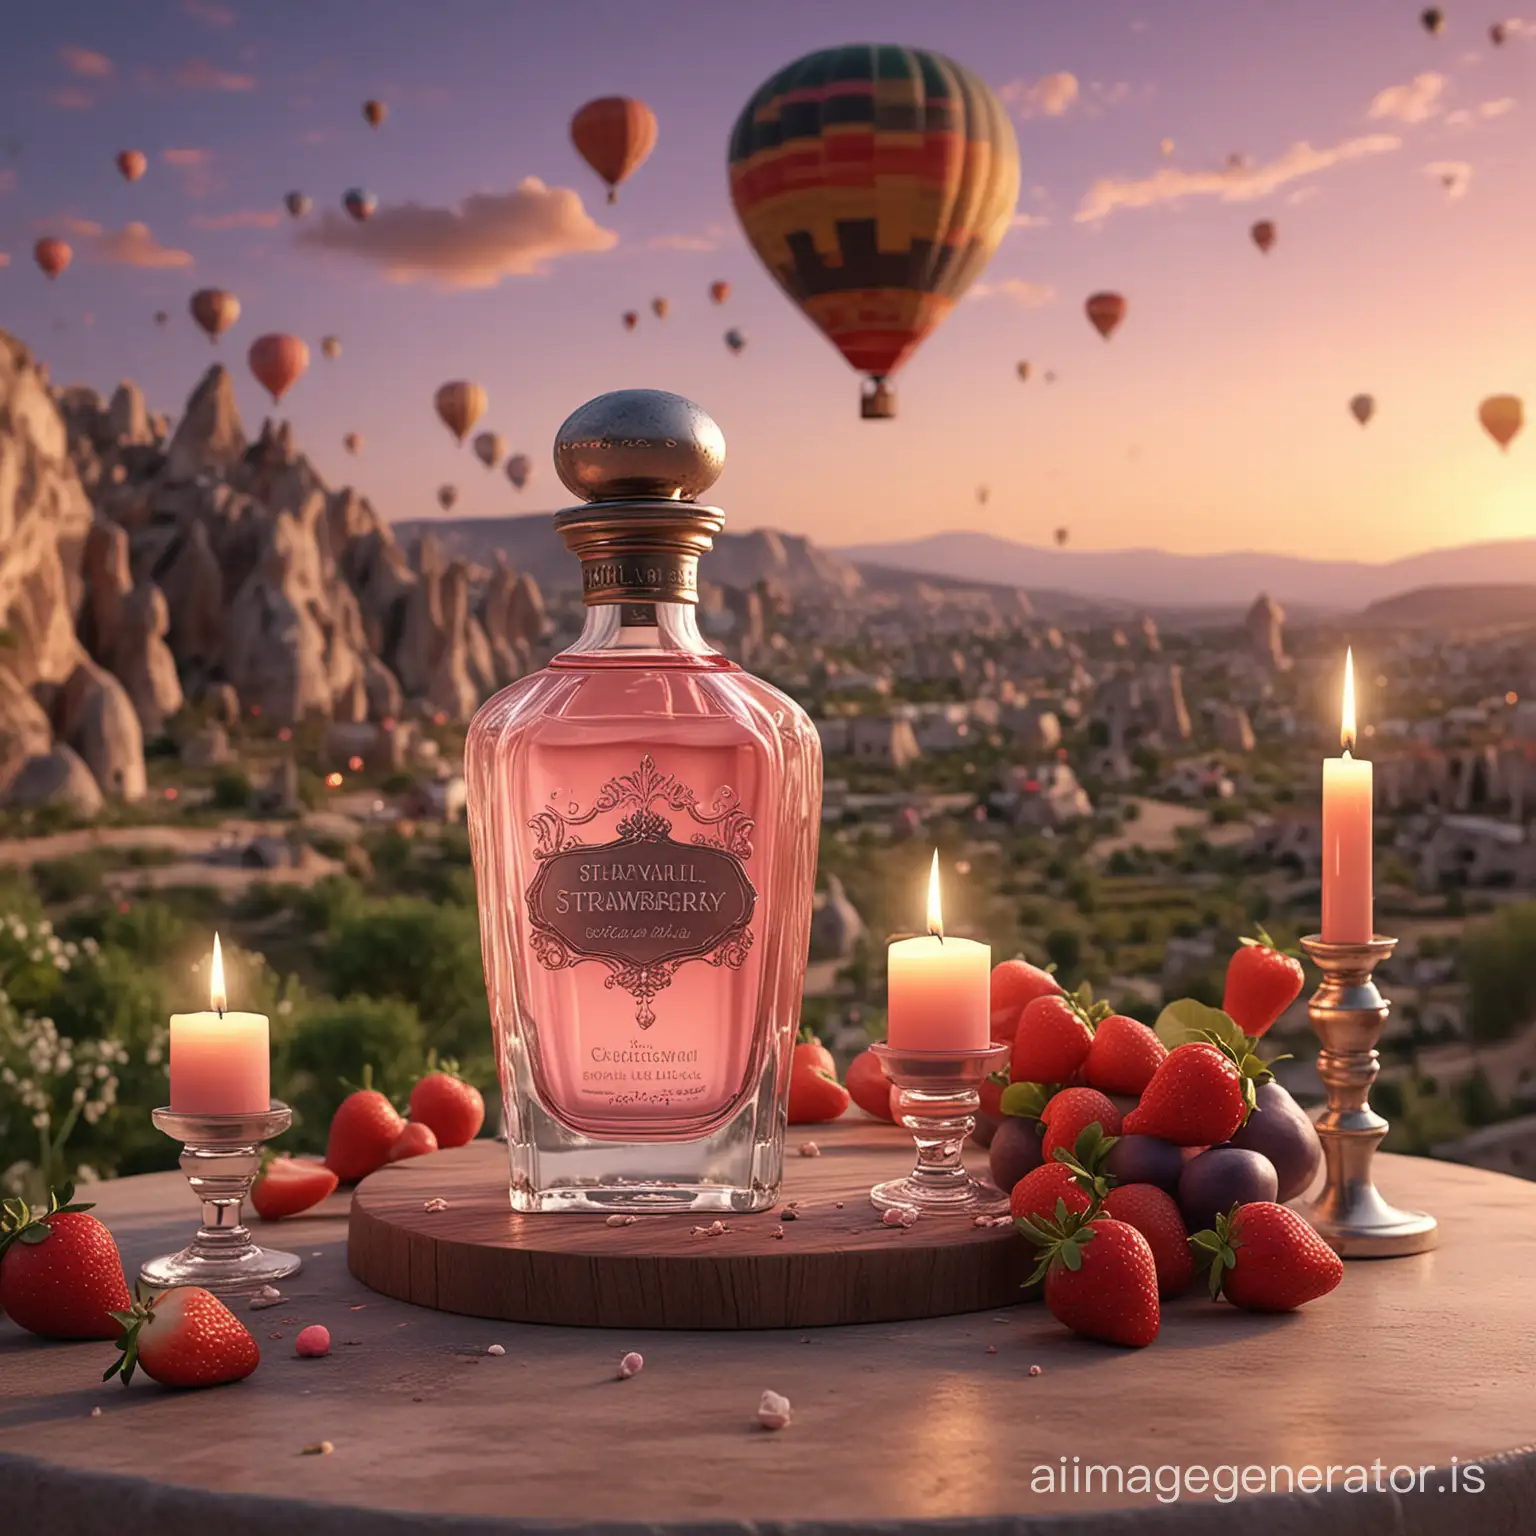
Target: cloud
200 75
87 62
1484 110
1029 221
130 246
195 169
1171 185
1454 175
1025 294
241 218
1415 102
711 238
209 12
72 99
1302 195
487 237
1049 96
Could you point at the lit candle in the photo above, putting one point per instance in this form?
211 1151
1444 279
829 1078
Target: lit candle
220 1061
1347 917
938 989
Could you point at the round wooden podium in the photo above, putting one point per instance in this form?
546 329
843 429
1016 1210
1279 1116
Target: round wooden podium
821 1257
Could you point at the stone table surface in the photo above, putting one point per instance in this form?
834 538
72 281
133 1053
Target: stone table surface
1411 1362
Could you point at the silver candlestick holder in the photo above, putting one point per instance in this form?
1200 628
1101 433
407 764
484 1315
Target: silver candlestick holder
937 1098
221 1156
1348 1014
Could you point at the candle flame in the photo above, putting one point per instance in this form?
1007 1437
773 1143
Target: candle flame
935 911
216 994
1347 731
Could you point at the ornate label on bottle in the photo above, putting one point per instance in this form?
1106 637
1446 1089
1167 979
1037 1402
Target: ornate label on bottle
644 902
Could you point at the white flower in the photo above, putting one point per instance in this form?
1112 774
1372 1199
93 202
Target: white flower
285 1007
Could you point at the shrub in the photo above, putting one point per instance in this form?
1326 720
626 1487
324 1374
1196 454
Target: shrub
232 790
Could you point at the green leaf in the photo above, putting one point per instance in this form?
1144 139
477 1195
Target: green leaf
1187 1020
1026 1099
33 1235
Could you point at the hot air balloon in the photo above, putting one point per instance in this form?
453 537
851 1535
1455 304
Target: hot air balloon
1362 408
330 346
215 311
719 292
983 495
132 163
874 183
1432 20
1166 146
1105 312
735 340
298 204
161 317
278 361
1502 417
519 468
613 135
446 496
659 308
1497 33
631 319
52 256
1023 372
460 404
1050 377
374 113
360 204
1061 538
352 442
490 448
1264 235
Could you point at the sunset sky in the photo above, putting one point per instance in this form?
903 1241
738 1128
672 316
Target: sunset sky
1215 419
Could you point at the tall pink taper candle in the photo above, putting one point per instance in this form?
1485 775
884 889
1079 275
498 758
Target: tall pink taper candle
1347 917
938 989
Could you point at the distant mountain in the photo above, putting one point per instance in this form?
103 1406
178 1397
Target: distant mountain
1484 607
531 544
1155 578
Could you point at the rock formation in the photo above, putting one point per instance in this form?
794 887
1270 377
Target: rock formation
95 716
1266 633
143 661
108 581
56 777
209 437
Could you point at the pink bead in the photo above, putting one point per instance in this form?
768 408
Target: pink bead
313 1342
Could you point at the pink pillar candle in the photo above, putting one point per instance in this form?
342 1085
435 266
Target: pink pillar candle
1347 792
939 994
220 1064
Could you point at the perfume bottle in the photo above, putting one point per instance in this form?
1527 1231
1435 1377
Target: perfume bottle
643 816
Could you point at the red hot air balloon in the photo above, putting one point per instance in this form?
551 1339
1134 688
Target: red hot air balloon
719 292
278 361
660 308
374 113
1497 33
1105 312
1433 20
360 204
132 163
1502 417
1362 408
631 319
1264 235
52 256
352 442
298 204
214 310
446 496
613 135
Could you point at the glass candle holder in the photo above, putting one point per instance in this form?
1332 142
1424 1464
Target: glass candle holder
221 1156
937 1098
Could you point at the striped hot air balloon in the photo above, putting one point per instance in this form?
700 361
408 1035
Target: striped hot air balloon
460 404
874 182
1105 311
614 134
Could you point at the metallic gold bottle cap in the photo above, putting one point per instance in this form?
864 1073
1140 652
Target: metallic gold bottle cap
639 457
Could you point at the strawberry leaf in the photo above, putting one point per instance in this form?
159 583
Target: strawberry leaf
1027 1099
1186 1020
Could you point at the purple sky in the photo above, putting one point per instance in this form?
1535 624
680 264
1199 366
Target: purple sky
1215 419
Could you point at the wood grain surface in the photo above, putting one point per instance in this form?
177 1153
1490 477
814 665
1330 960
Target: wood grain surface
821 1257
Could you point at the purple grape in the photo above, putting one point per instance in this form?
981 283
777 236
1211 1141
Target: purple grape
1015 1150
1280 1129
1220 1178
985 1128
1146 1160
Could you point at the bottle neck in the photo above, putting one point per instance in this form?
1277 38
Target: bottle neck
641 631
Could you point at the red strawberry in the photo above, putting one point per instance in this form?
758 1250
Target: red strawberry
1071 1179
1071 1112
1265 1258
288 1185
60 1272
452 1108
184 1337
363 1129
1198 1097
991 1092
815 1096
1123 1056
1052 1041
1155 1214
415 1139
811 1055
1014 984
1100 1278
1262 982
870 1088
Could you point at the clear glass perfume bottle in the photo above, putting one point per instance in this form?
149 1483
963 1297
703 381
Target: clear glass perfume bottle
644 818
